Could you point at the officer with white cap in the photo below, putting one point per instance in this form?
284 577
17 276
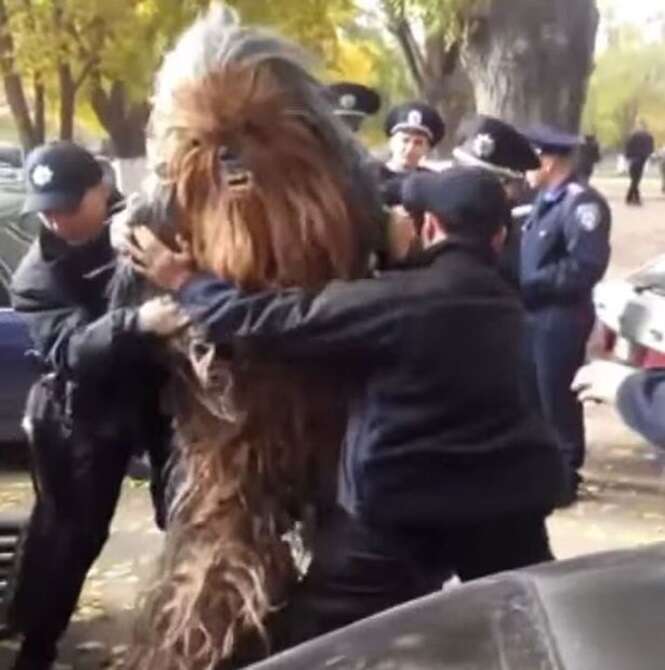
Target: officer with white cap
414 128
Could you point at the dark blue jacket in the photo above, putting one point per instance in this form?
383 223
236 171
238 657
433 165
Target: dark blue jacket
438 432
565 247
641 403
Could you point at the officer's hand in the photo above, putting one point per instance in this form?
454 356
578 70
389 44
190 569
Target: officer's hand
401 233
600 381
121 223
161 316
164 267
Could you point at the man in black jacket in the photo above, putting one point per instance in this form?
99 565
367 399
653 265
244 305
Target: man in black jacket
639 147
444 468
88 414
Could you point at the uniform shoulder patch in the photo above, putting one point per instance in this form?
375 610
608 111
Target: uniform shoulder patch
589 215
575 189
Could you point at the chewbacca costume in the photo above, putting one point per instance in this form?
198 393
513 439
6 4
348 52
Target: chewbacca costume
252 168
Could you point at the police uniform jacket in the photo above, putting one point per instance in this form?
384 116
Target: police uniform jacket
565 247
641 403
438 432
61 293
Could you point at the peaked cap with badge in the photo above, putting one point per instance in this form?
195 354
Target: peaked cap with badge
496 146
552 141
351 99
57 176
416 116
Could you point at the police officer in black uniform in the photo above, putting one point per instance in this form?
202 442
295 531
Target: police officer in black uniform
565 251
353 103
87 414
496 146
445 467
414 129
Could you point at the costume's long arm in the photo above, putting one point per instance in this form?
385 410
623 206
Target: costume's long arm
357 319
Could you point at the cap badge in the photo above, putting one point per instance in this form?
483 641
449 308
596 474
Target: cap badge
414 118
347 101
42 175
483 145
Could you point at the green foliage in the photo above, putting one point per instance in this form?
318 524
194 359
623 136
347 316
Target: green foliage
448 17
628 84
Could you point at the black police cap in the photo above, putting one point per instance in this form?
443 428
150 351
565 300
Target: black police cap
549 140
351 99
58 175
416 116
469 198
496 146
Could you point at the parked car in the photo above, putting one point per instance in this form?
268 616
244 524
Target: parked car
17 371
632 314
600 612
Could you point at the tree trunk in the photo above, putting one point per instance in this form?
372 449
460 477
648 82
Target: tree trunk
13 85
530 60
447 87
67 101
40 110
124 121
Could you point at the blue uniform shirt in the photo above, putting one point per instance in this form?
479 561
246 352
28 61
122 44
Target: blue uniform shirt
565 246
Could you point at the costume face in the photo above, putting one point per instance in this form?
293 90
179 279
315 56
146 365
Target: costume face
408 148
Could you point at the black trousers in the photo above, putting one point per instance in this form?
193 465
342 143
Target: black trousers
77 483
636 171
359 570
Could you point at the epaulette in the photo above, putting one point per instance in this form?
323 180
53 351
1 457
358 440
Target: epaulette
521 211
575 189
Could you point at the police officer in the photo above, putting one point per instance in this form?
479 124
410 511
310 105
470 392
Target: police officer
639 147
86 415
499 148
442 469
353 103
565 250
413 129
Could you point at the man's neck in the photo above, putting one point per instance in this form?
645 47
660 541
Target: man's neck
399 166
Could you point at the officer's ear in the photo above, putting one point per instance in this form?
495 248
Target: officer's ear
433 230
498 241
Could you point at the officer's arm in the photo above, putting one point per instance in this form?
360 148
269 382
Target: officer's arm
587 235
641 403
359 319
65 337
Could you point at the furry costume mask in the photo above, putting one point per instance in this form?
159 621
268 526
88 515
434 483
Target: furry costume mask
252 167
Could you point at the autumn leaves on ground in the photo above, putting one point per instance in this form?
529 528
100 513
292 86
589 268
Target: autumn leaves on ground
624 503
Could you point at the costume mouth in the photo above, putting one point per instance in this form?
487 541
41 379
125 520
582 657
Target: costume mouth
238 180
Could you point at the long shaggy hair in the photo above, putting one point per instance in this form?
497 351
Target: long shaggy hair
271 191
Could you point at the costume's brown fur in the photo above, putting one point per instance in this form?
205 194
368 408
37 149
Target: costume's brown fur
252 436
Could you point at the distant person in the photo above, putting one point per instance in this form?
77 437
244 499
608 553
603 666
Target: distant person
639 147
353 103
587 156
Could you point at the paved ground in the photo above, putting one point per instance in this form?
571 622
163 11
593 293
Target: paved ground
625 506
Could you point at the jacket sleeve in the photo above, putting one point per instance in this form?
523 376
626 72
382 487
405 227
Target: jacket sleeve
67 339
641 403
587 241
359 319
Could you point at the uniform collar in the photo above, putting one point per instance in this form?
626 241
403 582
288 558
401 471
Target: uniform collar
554 195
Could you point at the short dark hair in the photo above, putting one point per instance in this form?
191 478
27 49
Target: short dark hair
471 202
